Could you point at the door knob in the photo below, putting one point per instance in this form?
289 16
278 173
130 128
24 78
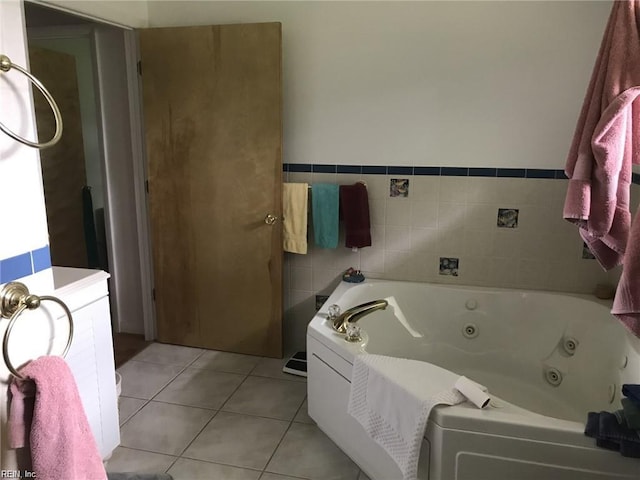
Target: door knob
270 219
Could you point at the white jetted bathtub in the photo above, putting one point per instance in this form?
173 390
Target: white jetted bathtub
547 359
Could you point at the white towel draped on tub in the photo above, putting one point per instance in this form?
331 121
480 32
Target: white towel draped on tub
392 398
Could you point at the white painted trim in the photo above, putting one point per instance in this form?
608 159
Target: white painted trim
139 180
60 32
76 13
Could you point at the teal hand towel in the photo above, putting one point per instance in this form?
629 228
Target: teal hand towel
325 211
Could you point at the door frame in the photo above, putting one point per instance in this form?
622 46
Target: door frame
137 181
140 184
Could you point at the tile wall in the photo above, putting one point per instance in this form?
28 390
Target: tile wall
440 225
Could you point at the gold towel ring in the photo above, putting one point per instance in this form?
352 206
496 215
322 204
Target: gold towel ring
14 300
5 66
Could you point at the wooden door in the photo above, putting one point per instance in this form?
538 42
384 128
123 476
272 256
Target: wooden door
213 120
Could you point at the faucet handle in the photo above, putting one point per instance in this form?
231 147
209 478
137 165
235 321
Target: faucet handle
353 333
334 311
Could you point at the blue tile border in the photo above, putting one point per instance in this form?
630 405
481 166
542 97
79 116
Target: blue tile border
540 173
299 167
400 170
25 264
483 172
324 168
454 171
374 170
349 168
426 171
512 172
544 173
41 259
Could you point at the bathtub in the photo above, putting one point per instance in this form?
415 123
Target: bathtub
546 358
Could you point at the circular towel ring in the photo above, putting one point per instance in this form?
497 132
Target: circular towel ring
5 66
31 302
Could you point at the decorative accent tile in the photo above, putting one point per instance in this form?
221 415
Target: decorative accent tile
399 187
586 253
508 217
320 299
449 266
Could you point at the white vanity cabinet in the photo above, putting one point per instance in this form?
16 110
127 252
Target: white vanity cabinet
91 354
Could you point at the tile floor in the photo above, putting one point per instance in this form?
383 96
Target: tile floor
202 414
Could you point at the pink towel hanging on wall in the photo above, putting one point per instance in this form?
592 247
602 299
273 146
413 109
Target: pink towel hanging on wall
604 145
53 424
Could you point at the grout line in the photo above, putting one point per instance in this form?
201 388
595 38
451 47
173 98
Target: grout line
146 451
299 408
234 392
197 434
277 447
253 469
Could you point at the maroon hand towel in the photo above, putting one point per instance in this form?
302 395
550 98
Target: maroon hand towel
354 207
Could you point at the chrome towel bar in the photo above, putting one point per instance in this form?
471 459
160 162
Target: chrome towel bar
14 300
5 66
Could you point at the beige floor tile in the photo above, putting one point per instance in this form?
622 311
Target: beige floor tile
201 388
166 354
303 416
272 368
186 469
127 406
128 460
267 397
308 453
239 440
226 362
144 380
164 428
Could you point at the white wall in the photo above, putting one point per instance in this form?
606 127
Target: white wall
21 193
487 84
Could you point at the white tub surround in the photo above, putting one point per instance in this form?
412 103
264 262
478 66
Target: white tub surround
546 359
45 331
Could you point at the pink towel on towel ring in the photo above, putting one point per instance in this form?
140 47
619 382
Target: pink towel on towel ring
604 145
53 423
626 305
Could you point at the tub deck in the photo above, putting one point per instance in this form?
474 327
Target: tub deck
505 440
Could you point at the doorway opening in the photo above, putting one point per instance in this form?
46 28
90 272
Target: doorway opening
94 179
